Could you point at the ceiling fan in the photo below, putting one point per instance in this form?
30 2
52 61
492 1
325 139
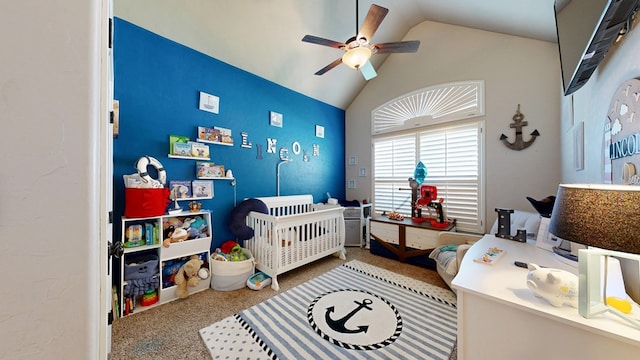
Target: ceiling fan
358 49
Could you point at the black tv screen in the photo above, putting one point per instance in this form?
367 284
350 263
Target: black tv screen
586 30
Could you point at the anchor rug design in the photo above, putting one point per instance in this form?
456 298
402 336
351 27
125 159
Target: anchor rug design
355 311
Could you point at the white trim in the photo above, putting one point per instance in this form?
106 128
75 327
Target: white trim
429 106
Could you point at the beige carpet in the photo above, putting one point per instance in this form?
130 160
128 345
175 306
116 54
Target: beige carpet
170 331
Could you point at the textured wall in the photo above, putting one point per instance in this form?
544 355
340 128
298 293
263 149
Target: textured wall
158 81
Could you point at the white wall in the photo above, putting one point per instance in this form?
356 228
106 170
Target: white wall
515 70
591 104
49 105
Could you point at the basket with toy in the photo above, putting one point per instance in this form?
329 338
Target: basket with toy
231 266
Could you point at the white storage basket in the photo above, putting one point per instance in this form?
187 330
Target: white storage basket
231 275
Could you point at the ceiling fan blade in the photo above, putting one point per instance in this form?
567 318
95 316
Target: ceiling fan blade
322 41
337 62
368 71
396 47
374 17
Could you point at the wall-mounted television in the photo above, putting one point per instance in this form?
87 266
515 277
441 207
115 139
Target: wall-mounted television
586 30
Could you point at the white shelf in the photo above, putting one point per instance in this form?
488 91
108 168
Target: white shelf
213 142
194 198
133 249
188 157
216 178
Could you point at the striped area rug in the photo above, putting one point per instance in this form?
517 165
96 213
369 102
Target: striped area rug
355 311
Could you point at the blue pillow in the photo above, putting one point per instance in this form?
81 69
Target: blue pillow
237 217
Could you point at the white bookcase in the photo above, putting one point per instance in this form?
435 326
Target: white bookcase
147 264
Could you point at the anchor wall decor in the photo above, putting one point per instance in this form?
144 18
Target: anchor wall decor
518 124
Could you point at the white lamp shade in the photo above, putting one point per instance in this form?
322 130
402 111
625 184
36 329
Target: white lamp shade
356 57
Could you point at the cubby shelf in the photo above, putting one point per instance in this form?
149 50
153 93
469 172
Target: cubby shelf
139 261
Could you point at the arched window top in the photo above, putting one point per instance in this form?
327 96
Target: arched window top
428 106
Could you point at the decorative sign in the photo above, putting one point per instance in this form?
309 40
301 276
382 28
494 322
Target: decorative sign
621 150
245 141
284 154
295 147
518 124
271 145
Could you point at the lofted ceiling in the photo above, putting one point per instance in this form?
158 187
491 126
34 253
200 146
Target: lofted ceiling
263 37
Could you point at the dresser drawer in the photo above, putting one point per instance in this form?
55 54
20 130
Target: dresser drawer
421 238
386 232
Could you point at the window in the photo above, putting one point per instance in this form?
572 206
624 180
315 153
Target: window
451 152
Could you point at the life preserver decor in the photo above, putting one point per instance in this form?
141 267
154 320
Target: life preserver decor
143 163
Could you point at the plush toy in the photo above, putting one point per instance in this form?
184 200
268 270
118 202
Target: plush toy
187 276
173 234
198 228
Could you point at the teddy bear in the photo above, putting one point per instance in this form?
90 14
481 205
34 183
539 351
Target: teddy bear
187 276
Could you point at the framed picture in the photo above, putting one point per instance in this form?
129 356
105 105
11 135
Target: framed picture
319 131
351 184
578 147
209 102
202 188
545 240
353 160
275 119
362 172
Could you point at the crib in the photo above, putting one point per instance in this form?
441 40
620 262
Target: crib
294 233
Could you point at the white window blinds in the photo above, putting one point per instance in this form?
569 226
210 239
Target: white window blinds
453 157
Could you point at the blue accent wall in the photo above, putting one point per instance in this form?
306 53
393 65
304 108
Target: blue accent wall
157 83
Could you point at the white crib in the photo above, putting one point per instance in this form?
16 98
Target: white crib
293 234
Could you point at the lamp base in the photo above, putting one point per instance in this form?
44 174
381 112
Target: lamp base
565 256
592 287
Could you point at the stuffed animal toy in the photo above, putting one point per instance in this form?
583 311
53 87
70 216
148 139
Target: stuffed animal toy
187 276
173 235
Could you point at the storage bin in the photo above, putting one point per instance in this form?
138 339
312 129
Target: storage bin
231 275
145 202
140 267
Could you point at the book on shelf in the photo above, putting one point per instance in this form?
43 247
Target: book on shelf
208 134
179 139
202 188
180 189
181 149
199 150
208 170
225 135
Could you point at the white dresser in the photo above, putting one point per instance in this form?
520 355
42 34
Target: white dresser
500 318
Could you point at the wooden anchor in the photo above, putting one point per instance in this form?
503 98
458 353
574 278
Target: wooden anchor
518 124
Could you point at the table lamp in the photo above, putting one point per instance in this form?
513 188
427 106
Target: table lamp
605 218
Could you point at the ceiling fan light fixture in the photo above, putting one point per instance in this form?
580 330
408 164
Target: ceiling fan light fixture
356 57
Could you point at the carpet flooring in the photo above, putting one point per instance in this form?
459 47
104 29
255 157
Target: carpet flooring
171 331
